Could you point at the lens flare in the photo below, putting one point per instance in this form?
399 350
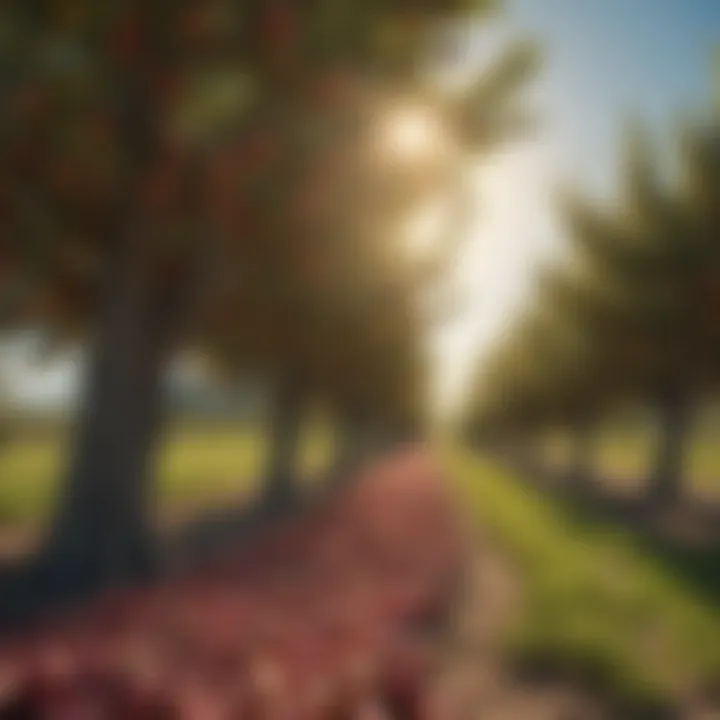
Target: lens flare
410 134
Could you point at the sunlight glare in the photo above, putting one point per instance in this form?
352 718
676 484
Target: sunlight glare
411 133
424 231
513 228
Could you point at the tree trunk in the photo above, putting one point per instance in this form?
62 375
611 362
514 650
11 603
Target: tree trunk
527 454
102 531
285 431
666 481
582 454
352 444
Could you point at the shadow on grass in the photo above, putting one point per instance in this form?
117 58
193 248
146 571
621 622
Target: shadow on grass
621 595
684 538
26 600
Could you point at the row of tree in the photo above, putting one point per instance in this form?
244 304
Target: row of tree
208 174
633 317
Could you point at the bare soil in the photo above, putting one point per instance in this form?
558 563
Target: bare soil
474 672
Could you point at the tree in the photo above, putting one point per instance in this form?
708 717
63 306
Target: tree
639 301
144 148
334 260
665 343
101 216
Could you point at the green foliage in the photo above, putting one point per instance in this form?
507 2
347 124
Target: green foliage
488 110
632 316
234 137
198 465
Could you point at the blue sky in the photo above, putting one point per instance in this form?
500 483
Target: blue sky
609 60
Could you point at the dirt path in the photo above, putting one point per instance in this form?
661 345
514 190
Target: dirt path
475 675
473 671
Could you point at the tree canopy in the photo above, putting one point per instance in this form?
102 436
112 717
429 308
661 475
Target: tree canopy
633 316
219 174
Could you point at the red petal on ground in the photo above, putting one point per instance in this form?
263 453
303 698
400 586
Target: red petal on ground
315 616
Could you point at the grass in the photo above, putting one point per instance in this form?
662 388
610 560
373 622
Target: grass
627 457
598 606
196 464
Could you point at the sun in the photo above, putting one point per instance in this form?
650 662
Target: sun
410 133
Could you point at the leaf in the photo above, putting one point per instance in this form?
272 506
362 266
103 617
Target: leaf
212 103
480 112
